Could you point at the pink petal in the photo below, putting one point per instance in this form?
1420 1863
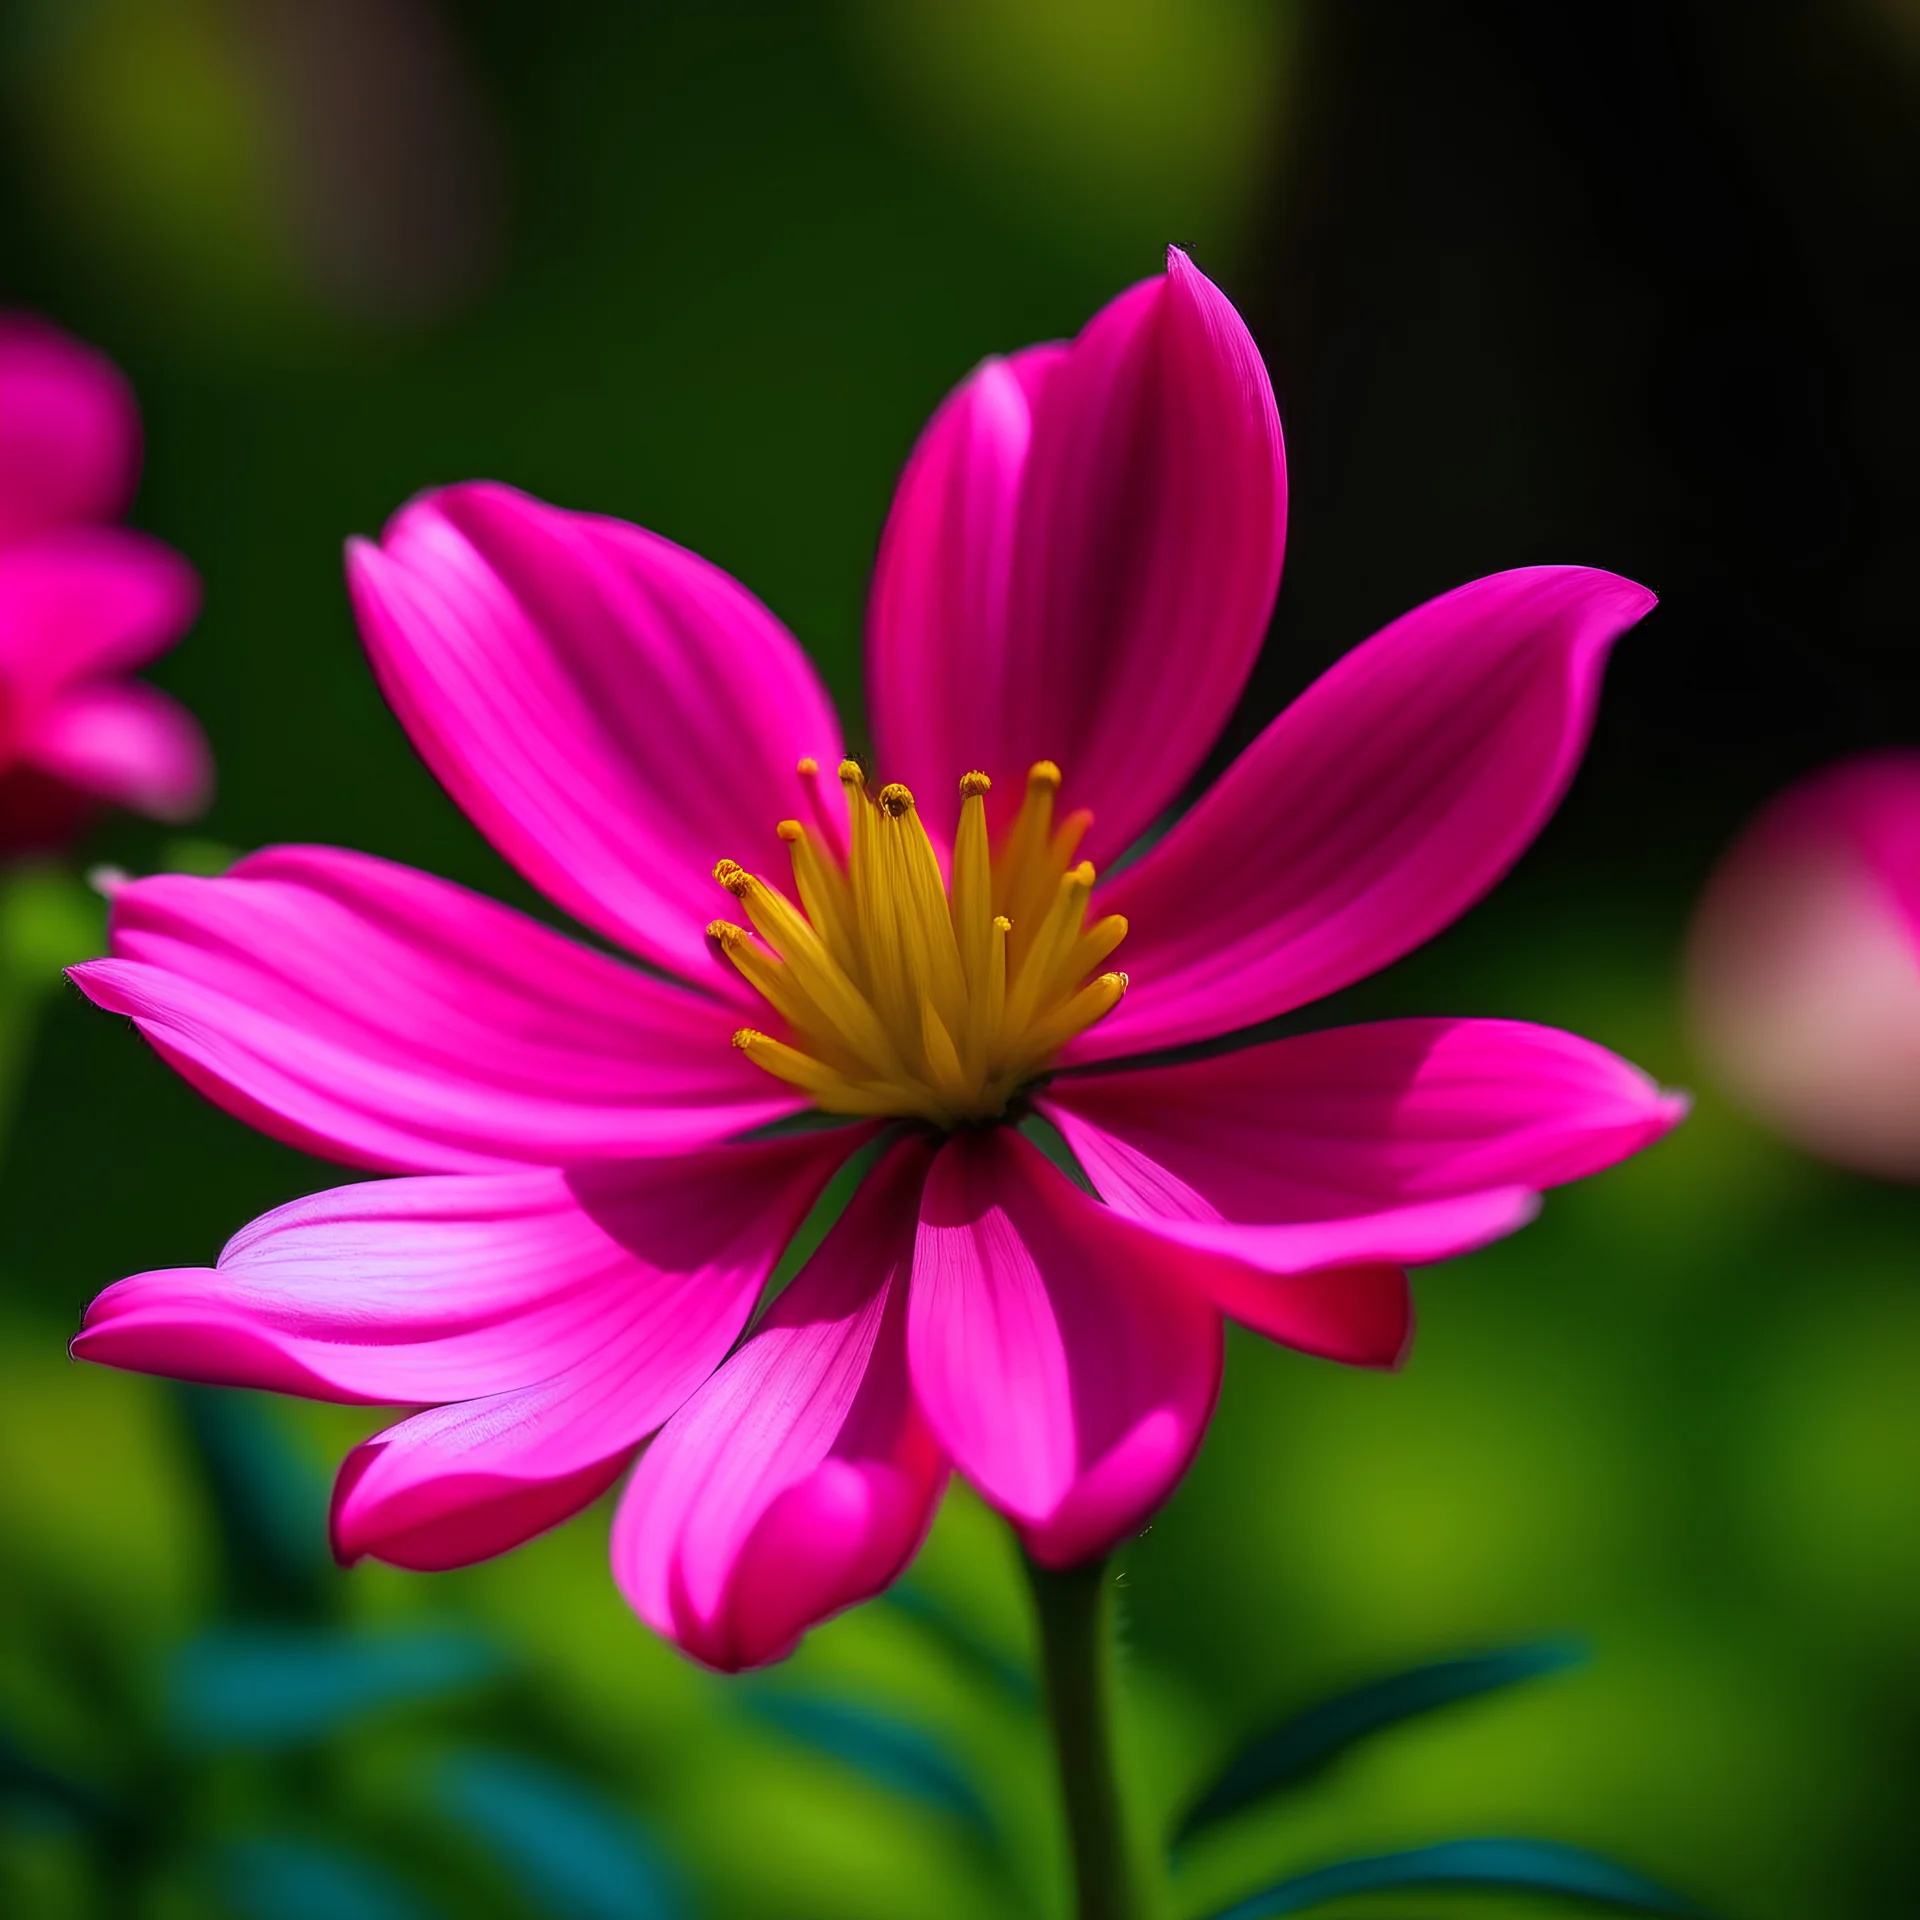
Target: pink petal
1804 965
458 1483
614 714
1081 562
1066 1360
1359 1120
69 431
377 1015
1392 794
800 1479
1359 1147
127 743
460 1286
88 603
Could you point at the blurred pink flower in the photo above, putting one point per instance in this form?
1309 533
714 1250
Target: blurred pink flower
82 602
1804 965
1080 563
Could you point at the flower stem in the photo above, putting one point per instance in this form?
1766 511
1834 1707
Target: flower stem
1075 1658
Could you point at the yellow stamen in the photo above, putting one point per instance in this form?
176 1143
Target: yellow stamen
823 894
972 911
1024 876
1094 1001
831 1091
1056 935
913 991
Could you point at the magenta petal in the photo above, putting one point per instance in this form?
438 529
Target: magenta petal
1359 1121
1392 794
1360 1316
127 743
460 1482
459 1286
614 713
801 1477
377 1015
1360 1148
88 603
1066 1360
69 431
1081 561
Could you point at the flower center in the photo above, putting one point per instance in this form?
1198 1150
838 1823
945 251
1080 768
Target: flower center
907 996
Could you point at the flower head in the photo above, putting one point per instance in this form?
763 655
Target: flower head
1804 965
82 602
1072 587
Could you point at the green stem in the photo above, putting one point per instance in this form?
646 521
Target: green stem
1076 1660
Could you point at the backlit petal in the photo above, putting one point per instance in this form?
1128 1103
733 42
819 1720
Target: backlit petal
1386 800
460 1482
1401 1142
614 713
1064 1357
1081 562
382 1017
460 1286
801 1477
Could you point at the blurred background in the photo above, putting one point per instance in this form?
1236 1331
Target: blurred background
1623 285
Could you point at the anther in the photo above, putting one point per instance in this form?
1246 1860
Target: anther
974 784
851 774
1002 924
734 877
746 1039
896 799
725 935
1043 773
806 766
790 831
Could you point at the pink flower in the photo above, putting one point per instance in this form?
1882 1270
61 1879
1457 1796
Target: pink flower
82 602
1804 966
1074 582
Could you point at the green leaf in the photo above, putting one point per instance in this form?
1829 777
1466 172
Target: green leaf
271 1503
1294 1751
275 1687
49 918
295 1880
1520 1866
903 1759
23 1778
577 1857
961 1640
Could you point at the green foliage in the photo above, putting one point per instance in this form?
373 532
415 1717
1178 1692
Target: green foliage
1526 1866
1298 1748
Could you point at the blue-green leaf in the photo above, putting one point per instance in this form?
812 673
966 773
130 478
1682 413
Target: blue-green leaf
1298 1748
902 1758
271 1503
1524 1866
577 1857
294 1880
274 1687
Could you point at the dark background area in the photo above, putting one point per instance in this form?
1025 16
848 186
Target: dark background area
1622 285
